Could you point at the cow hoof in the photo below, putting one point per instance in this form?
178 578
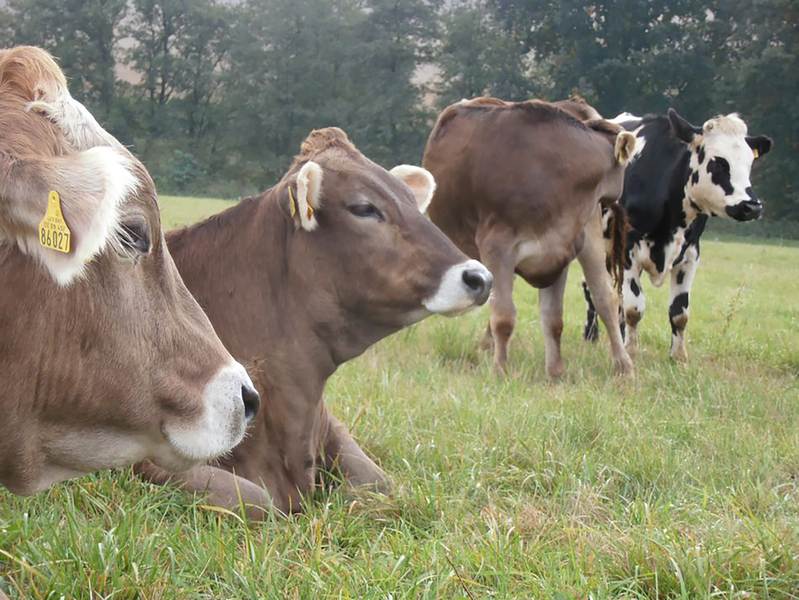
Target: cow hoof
679 355
501 368
486 343
624 366
556 371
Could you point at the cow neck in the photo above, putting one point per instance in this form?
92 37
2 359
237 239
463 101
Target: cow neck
679 212
690 206
238 265
251 270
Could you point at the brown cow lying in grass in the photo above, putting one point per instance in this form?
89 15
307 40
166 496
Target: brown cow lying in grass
303 278
520 186
106 357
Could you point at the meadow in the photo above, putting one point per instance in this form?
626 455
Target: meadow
681 482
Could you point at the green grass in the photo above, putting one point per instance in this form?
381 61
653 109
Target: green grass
682 482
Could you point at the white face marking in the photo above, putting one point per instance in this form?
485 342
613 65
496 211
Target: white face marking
221 426
453 294
722 138
640 144
92 186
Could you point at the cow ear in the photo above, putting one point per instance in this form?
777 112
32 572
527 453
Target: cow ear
683 129
421 182
74 199
624 147
304 205
760 144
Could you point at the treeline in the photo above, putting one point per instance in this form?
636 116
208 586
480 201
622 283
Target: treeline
216 96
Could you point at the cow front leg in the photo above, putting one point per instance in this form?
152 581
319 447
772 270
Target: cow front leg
220 488
598 287
550 304
634 304
497 256
682 278
342 452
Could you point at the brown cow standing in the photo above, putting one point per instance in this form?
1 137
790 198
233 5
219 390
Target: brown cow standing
520 187
304 278
105 357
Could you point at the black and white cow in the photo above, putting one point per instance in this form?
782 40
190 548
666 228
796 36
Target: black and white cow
679 176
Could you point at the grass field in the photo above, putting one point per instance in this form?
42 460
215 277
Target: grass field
682 482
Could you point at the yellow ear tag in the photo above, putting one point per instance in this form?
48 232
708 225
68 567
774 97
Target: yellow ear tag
292 203
309 212
53 230
756 153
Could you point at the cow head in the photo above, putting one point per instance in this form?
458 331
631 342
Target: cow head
720 165
116 362
367 240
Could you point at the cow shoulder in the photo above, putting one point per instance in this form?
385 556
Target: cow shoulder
654 181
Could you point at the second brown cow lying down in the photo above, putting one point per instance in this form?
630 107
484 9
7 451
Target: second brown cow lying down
520 187
301 279
105 358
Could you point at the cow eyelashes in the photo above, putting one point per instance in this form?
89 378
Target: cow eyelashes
135 237
366 210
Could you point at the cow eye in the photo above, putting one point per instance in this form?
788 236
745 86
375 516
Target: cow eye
366 210
134 236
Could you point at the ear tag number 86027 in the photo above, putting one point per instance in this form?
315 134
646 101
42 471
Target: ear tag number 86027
53 230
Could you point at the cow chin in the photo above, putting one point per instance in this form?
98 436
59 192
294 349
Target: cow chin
462 287
748 210
219 429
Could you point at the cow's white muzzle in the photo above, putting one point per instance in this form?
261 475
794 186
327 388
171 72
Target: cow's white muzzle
462 287
229 401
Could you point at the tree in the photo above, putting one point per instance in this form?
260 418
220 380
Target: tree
393 40
760 79
82 34
478 58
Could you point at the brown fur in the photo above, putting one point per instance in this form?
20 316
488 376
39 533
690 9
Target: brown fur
322 140
109 361
511 174
300 303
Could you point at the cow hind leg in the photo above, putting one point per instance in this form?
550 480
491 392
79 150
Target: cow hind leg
497 257
682 278
550 303
591 329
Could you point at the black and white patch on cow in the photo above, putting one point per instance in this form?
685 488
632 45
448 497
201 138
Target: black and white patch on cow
720 165
679 176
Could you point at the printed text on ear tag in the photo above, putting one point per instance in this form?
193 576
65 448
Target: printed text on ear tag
53 230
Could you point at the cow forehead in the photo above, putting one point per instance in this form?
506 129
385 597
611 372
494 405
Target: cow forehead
730 146
731 124
367 182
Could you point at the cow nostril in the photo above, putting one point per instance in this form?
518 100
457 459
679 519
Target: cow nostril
474 280
252 401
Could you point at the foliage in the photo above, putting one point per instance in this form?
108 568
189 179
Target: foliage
238 85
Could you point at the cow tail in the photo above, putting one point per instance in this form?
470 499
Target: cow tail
618 228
